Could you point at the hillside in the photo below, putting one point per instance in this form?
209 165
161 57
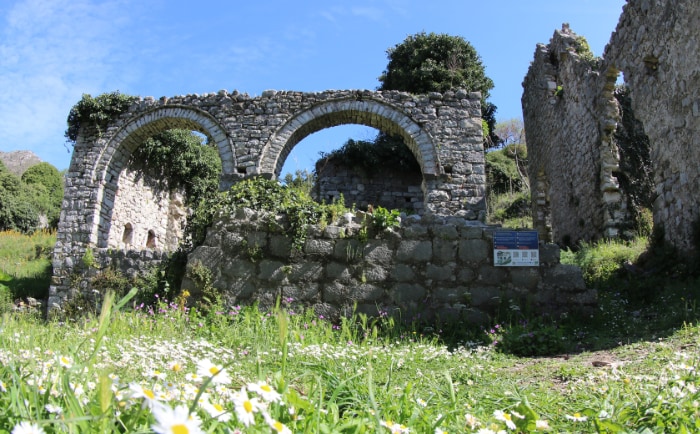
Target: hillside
19 161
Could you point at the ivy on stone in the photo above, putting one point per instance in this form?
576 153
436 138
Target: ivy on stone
96 112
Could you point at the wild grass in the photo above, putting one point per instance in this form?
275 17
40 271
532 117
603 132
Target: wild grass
25 263
287 370
630 367
511 210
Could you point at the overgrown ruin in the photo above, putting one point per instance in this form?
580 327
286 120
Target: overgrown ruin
442 260
582 188
109 207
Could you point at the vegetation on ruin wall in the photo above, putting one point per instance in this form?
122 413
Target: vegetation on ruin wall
96 112
183 160
636 176
372 158
295 204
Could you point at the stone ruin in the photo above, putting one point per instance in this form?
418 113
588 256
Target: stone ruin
440 259
114 212
571 118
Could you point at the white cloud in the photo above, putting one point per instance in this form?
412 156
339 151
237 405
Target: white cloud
370 13
52 51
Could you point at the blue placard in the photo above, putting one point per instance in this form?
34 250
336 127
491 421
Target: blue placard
516 249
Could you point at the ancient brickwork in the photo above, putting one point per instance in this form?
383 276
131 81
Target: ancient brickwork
431 265
147 213
570 116
390 188
254 135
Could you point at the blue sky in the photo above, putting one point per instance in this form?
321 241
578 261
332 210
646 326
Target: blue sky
53 51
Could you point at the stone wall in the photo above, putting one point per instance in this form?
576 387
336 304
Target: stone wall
390 188
254 136
147 213
433 266
571 116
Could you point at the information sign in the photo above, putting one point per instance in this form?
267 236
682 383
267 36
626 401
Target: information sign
516 249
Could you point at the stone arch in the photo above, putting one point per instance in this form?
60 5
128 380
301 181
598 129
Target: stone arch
115 155
364 112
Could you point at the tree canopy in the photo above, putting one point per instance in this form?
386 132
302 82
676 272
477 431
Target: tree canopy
430 62
23 201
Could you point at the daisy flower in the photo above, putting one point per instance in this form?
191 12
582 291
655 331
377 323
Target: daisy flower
217 411
504 417
395 428
65 361
472 423
27 428
577 417
265 391
245 407
175 421
541 425
149 396
278 427
205 368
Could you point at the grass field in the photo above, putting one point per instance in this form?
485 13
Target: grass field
25 264
630 367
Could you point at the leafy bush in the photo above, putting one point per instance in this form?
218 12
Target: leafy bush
528 338
45 185
506 169
181 157
263 195
383 218
601 261
96 112
371 158
17 209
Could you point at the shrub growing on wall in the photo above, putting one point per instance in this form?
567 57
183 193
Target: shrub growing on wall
96 112
184 160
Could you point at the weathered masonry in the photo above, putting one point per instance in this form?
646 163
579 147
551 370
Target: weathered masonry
571 118
430 267
107 207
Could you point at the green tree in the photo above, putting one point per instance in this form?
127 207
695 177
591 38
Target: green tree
17 208
45 185
183 159
430 62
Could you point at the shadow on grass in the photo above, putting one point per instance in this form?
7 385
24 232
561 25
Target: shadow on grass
36 286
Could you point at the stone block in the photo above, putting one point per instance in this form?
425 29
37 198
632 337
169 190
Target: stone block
308 292
491 275
372 274
406 292
474 250
440 273
445 232
318 247
550 254
485 297
525 277
280 246
337 271
444 250
272 271
414 251
564 276
377 252
403 273
306 272
366 293
466 274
